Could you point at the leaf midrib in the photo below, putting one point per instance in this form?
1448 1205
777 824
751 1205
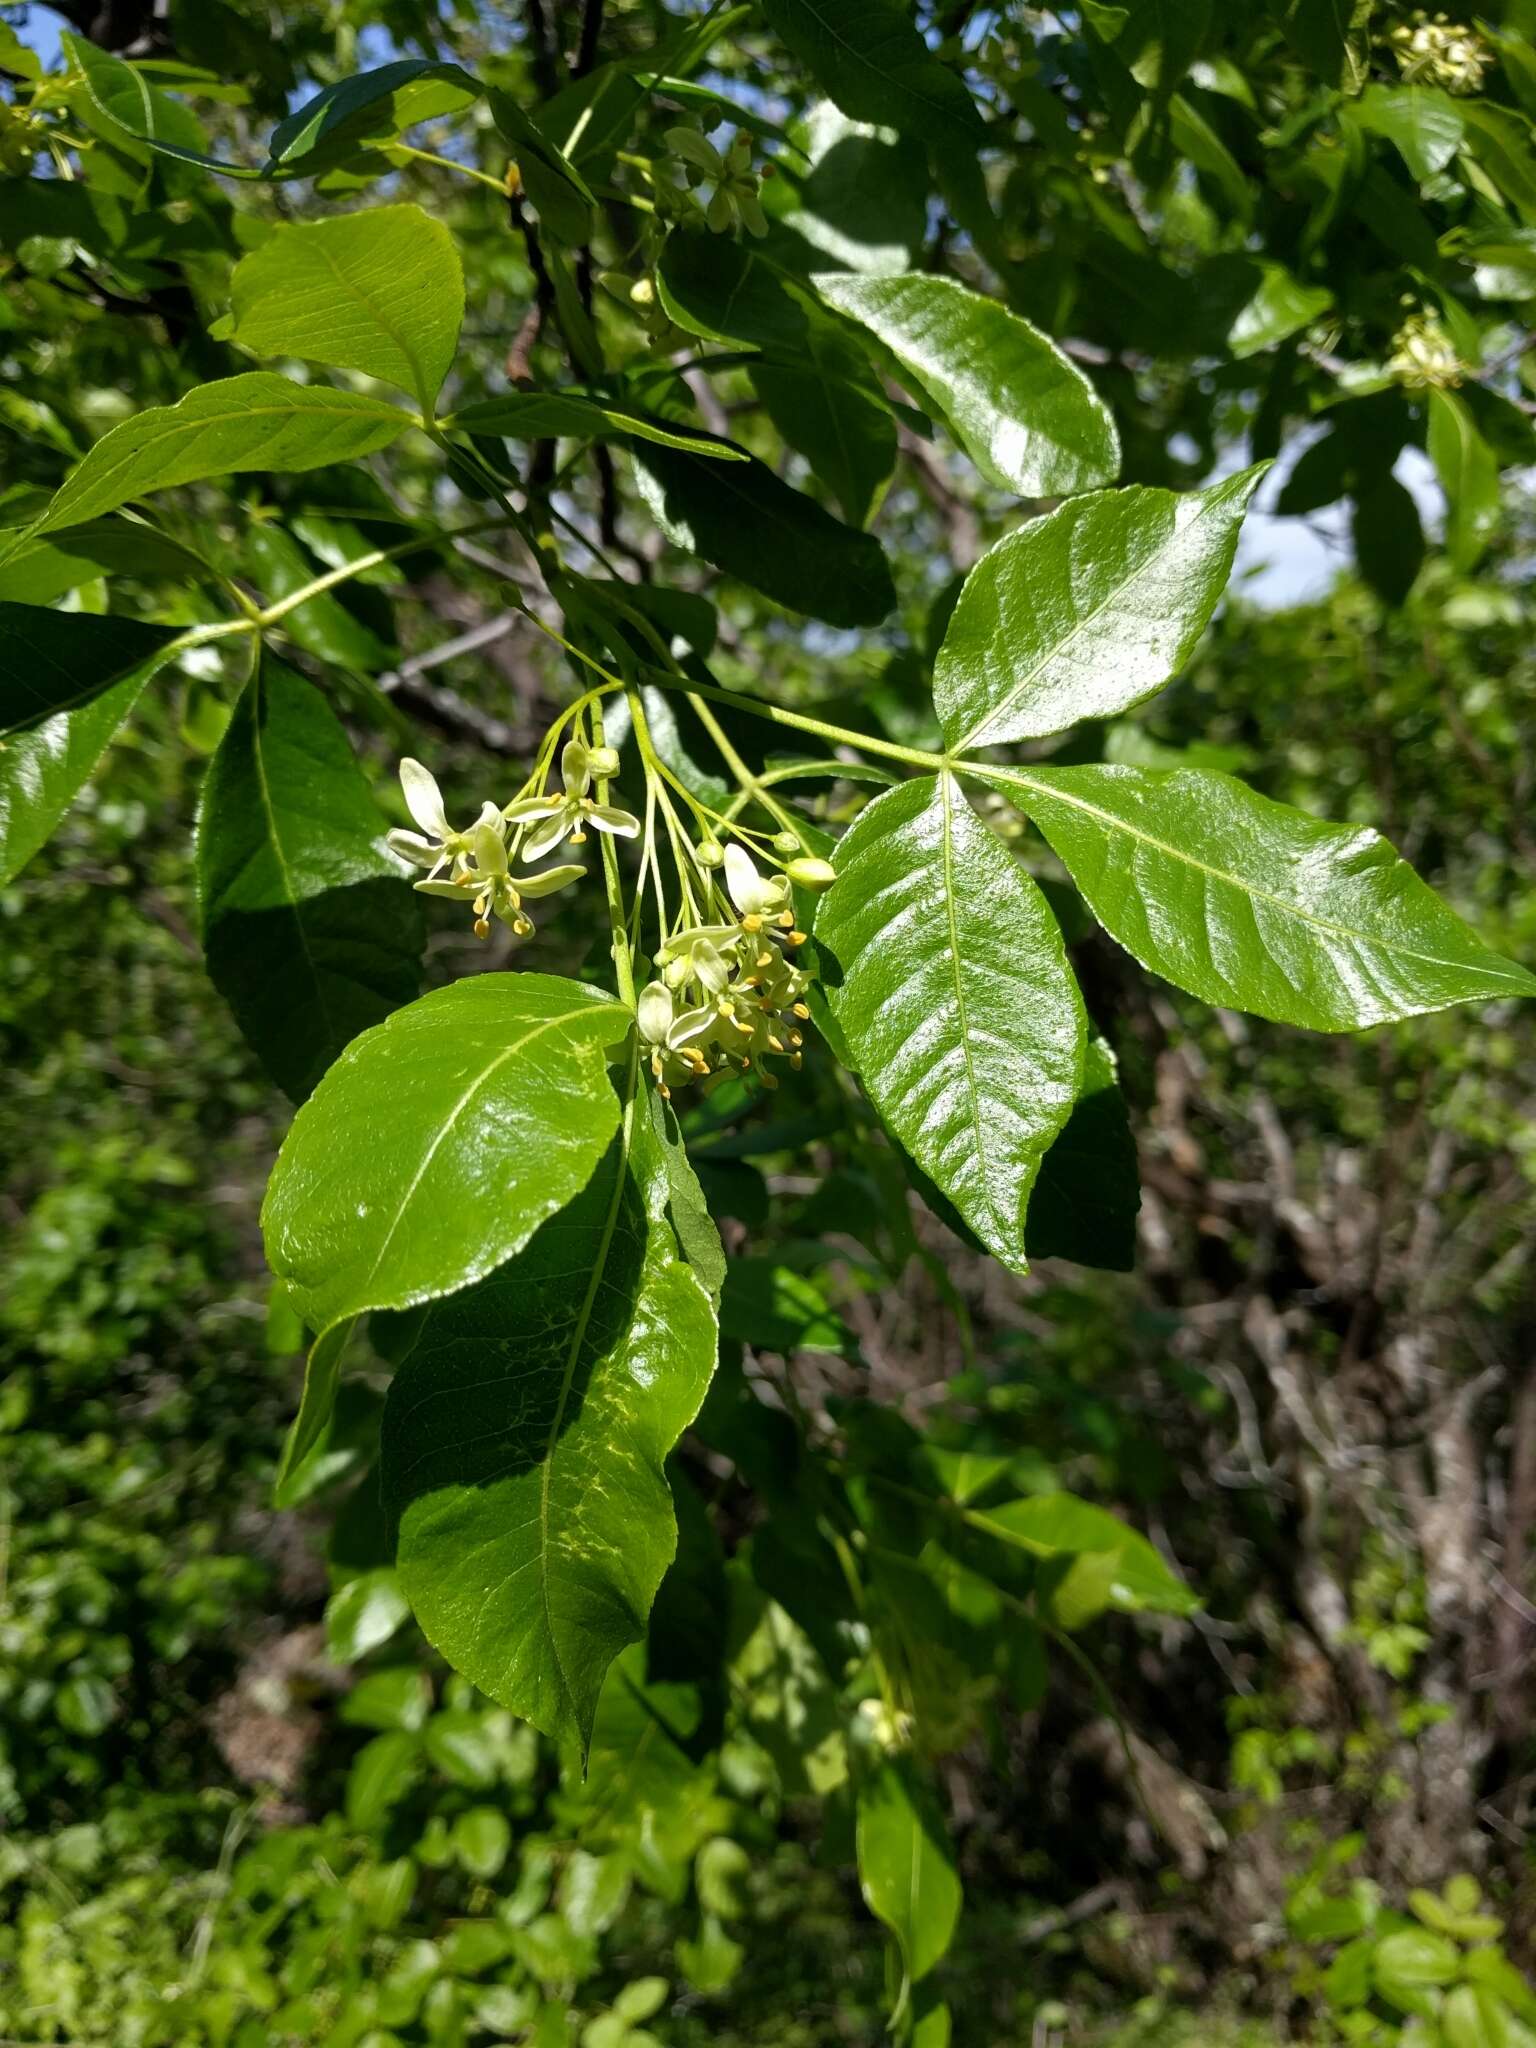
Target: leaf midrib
946 787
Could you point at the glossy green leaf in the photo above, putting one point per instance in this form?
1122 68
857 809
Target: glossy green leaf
1253 905
719 289
549 415
525 1437
1059 1525
369 106
748 523
498 1108
1469 475
1026 416
560 194
1087 612
906 1866
864 204
827 407
1281 306
317 1404
257 421
53 661
868 58
1423 123
1087 1193
946 974
42 771
310 935
381 291
1411 1964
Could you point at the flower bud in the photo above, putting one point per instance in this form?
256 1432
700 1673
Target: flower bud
603 762
710 853
813 873
786 842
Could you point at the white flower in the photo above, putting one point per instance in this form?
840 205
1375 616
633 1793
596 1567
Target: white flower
437 845
491 885
557 817
754 895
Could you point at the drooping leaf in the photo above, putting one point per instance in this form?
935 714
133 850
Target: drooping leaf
1469 475
123 98
525 1438
257 421
40 570
906 1866
946 974
824 403
42 771
1026 416
440 1141
381 291
547 415
1088 1191
1254 905
53 661
748 523
560 193
720 290
1087 612
1049 1525
864 204
309 934
869 59
369 106
1388 537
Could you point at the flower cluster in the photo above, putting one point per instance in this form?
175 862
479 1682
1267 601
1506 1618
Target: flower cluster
1440 52
734 199
1423 355
475 865
729 994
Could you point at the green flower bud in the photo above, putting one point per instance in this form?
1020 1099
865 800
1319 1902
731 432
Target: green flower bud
786 842
811 872
603 762
710 853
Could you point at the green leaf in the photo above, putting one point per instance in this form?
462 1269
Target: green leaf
868 58
718 289
43 771
825 404
1088 1191
525 1436
1026 416
1423 123
864 205
481 1840
559 192
1410 1967
324 625
39 571
945 972
53 661
547 415
380 291
317 1404
1474 2017
310 934
1388 538
365 1613
500 1107
1059 1525
257 421
1469 475
906 1867
121 95
1254 905
779 541
370 106
777 1309
1087 612
1281 306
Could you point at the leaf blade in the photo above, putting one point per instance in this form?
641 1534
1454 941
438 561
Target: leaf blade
54 661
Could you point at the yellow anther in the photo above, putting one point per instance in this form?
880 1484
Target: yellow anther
482 928
799 1010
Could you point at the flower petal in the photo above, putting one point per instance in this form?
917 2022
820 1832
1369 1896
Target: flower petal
692 1023
529 807
574 770
410 846
490 853
608 818
653 1012
547 883
454 890
545 837
423 798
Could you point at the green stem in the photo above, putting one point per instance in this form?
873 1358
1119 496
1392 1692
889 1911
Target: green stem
839 735
623 964
446 163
